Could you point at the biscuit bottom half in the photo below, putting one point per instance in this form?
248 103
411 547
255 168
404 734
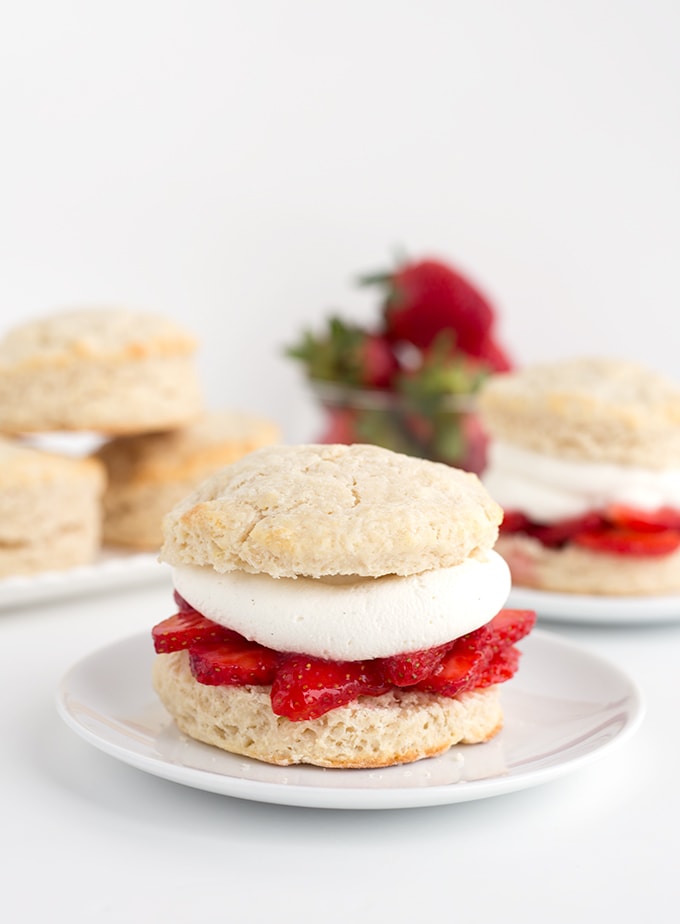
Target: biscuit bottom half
577 570
398 727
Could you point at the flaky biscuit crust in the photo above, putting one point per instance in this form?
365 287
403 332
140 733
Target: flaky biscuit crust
318 510
587 409
113 371
399 727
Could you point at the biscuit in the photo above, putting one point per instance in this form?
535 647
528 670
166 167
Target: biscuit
50 513
586 409
147 475
572 569
108 370
332 510
398 727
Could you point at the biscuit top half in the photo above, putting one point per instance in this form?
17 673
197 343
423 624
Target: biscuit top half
322 510
99 334
590 409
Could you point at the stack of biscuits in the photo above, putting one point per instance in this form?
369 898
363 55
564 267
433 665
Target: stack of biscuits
128 378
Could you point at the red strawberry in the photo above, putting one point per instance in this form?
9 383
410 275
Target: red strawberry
502 666
405 670
376 363
185 629
341 426
492 354
643 520
182 605
509 626
556 534
306 688
458 668
428 296
514 522
629 542
233 662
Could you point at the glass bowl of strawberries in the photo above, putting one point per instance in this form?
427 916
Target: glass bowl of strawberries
408 382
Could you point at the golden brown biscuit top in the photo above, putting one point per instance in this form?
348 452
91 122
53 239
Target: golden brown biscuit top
319 510
587 408
92 334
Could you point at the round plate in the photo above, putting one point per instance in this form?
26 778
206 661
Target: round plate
595 610
111 571
564 708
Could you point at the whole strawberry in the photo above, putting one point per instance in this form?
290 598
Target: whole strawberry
425 297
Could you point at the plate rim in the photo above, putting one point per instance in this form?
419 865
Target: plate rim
334 797
595 610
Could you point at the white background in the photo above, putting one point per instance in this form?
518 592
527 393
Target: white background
237 164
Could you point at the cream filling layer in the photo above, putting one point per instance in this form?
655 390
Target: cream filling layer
547 489
351 618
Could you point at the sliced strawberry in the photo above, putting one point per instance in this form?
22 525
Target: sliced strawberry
405 670
643 520
182 605
306 688
185 629
629 542
509 626
514 522
502 666
458 668
554 535
233 662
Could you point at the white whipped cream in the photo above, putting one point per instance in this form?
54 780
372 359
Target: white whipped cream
350 618
547 489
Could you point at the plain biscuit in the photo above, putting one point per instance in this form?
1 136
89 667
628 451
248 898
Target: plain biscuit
50 514
398 727
587 409
149 474
318 510
108 370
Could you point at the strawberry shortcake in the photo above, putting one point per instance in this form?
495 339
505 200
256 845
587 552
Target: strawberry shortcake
584 457
340 606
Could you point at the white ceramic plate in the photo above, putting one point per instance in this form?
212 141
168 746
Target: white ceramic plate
595 610
111 571
564 708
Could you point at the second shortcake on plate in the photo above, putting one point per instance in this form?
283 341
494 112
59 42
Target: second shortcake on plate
584 457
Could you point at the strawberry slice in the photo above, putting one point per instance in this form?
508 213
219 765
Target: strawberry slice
405 670
459 667
306 688
629 541
182 605
185 629
556 534
509 626
233 662
627 517
502 666
514 522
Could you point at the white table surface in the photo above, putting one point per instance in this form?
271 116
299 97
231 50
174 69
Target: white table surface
88 838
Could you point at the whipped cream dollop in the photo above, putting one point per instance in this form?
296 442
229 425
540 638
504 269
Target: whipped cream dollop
547 489
350 618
